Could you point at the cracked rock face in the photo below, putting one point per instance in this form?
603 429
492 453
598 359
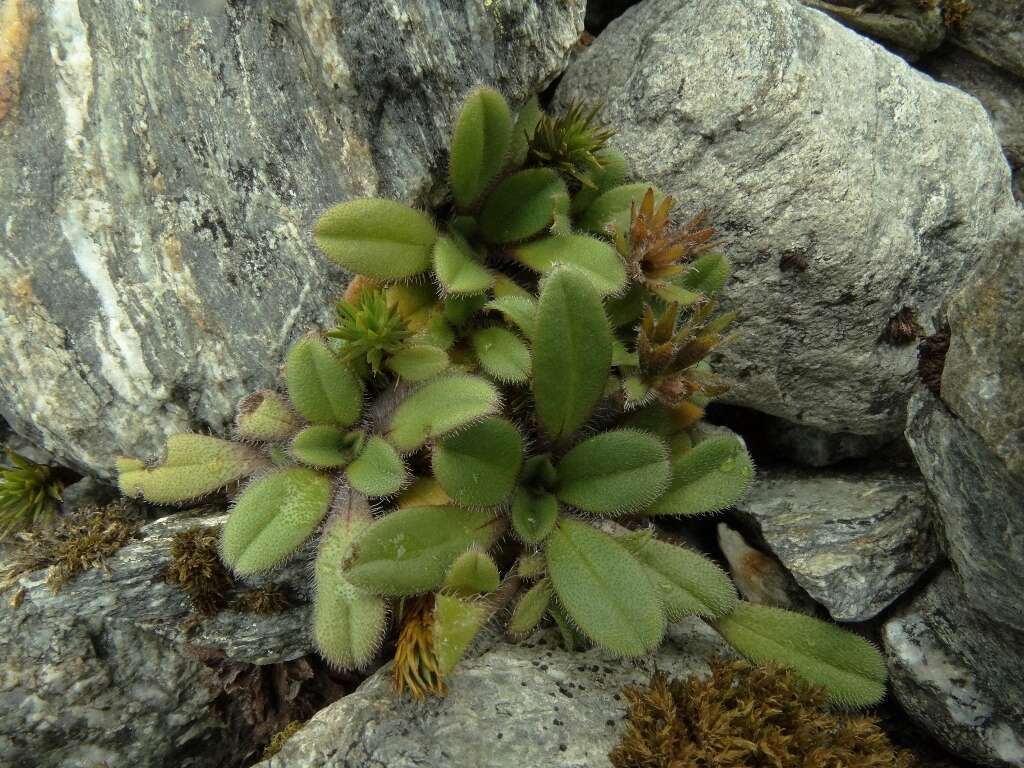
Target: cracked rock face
105 673
531 704
854 541
162 169
840 199
957 673
979 504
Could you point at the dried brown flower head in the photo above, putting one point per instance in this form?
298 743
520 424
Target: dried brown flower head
416 668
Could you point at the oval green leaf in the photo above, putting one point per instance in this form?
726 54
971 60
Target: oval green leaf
848 667
533 515
611 210
273 517
709 477
598 260
378 470
478 466
418 362
614 473
410 550
572 352
604 589
502 354
323 446
480 144
458 269
522 205
439 407
320 386
378 238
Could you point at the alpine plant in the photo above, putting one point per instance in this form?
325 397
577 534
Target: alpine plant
512 395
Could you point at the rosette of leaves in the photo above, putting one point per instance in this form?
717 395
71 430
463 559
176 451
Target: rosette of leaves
29 494
533 358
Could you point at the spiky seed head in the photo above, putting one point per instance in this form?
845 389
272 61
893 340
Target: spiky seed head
29 494
369 330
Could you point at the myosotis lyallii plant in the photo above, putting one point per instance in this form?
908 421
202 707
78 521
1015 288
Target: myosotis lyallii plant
518 378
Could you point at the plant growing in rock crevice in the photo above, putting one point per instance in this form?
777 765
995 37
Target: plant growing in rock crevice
502 377
29 494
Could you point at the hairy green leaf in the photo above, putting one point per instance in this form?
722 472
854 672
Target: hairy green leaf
522 205
611 210
526 122
708 274
456 623
599 180
472 573
378 470
320 386
530 609
533 514
410 550
688 582
480 144
604 590
273 517
595 258
520 311
439 407
378 238
195 465
323 446
709 477
418 362
478 466
849 668
572 352
502 354
264 416
458 269
614 472
348 622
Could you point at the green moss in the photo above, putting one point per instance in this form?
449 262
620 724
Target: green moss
278 740
746 716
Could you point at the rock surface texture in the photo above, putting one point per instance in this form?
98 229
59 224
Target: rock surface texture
855 542
513 706
980 506
842 203
994 31
958 673
162 169
983 379
104 673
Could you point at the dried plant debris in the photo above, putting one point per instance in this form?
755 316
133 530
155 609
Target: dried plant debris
263 601
931 359
746 716
79 541
902 328
196 568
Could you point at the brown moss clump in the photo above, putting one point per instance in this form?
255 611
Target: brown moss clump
196 568
263 601
902 328
78 542
955 13
742 716
279 738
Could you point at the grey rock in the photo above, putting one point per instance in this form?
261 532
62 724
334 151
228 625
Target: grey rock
809 143
979 505
958 674
105 671
983 379
811 447
163 168
994 31
531 704
855 541
1002 95
909 26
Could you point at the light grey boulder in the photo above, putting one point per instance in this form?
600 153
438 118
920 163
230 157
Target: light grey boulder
983 378
855 541
162 169
512 706
979 504
105 672
957 673
814 146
